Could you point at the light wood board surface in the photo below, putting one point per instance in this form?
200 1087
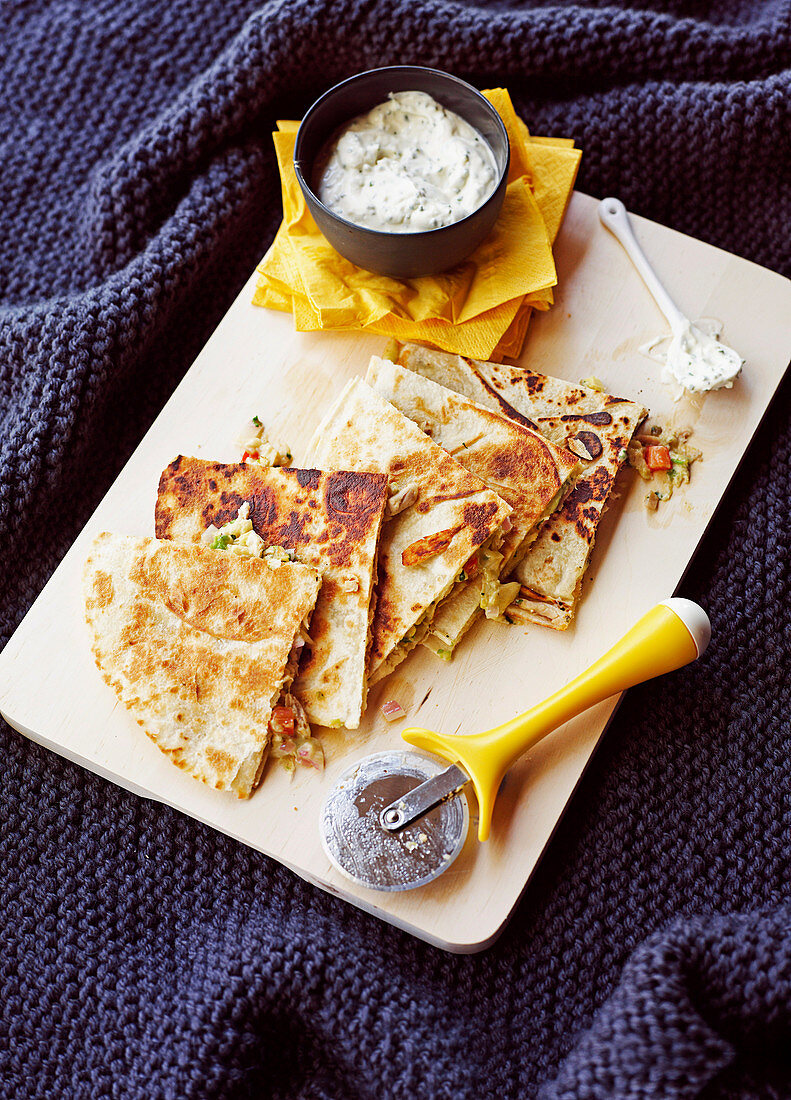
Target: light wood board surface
51 691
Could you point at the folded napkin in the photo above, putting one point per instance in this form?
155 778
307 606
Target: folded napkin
480 308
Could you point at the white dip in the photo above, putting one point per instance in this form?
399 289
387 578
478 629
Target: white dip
407 166
694 358
699 362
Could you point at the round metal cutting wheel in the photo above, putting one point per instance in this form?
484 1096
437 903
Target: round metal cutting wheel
370 855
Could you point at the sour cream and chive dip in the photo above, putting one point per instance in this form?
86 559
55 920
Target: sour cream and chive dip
407 166
397 245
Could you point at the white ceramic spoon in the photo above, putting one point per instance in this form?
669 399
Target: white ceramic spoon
696 360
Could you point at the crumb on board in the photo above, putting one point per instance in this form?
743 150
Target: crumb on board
663 457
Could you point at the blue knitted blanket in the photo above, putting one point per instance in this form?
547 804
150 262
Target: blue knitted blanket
144 956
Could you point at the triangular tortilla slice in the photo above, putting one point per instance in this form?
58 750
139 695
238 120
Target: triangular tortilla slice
522 466
438 514
595 426
332 522
196 644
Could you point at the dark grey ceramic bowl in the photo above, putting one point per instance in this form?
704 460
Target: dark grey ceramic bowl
402 255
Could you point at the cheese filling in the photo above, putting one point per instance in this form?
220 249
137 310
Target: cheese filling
238 537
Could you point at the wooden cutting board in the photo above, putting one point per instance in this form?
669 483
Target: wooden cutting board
50 689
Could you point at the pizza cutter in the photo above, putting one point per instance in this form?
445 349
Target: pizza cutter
396 820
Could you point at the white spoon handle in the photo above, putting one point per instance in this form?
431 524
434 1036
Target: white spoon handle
613 215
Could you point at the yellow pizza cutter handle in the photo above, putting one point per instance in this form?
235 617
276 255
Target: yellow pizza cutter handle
667 637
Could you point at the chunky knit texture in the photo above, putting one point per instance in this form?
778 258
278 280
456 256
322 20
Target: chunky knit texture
144 956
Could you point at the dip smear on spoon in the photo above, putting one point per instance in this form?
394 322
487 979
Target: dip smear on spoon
694 359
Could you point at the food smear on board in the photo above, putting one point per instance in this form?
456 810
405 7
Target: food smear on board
256 446
662 456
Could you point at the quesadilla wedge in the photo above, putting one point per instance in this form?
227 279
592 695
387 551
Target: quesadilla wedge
332 522
522 466
595 426
438 514
196 645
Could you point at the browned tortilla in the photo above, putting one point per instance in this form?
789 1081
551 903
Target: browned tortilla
517 462
431 493
595 426
331 521
195 644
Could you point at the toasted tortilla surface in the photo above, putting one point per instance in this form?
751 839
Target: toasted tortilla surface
332 521
195 644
